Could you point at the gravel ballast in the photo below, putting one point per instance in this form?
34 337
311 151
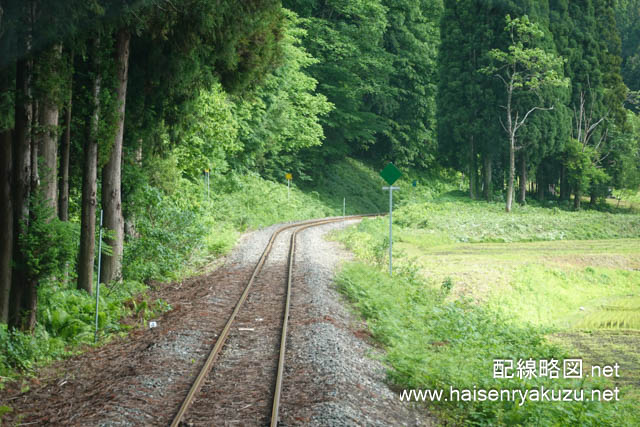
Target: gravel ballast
333 375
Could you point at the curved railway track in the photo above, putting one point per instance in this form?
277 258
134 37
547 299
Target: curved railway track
271 295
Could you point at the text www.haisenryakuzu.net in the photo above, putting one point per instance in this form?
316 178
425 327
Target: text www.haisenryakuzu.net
540 394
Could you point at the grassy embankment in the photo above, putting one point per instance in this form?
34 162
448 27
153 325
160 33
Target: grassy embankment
475 284
179 233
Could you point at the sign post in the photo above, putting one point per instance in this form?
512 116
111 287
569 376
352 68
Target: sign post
206 178
390 222
289 178
95 336
390 174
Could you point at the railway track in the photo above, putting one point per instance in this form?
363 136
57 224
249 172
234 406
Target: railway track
263 310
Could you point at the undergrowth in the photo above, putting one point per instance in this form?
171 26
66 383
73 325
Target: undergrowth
464 220
436 340
174 227
432 343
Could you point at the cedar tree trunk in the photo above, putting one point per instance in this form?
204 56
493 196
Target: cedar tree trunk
564 184
6 223
473 168
522 197
65 149
541 183
21 185
49 152
111 173
487 177
89 183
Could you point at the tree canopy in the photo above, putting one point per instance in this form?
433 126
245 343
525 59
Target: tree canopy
107 105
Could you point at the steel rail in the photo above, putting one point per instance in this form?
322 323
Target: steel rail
197 384
283 339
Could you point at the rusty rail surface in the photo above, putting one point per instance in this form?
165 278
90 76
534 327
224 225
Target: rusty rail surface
197 384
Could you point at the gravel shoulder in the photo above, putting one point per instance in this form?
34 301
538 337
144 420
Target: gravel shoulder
333 375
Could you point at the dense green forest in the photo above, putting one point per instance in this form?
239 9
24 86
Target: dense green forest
126 106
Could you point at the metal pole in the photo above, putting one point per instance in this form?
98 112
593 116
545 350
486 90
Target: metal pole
207 186
390 230
95 337
288 188
344 205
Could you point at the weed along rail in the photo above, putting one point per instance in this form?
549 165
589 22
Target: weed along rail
257 329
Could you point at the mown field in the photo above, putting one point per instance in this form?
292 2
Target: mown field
472 284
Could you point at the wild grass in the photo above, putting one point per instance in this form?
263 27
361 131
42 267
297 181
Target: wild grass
66 319
178 228
472 283
545 283
432 343
187 228
463 220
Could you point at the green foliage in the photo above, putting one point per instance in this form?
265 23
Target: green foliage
582 167
625 165
168 234
353 68
411 39
369 240
70 314
6 101
524 65
49 244
592 47
66 319
21 351
283 116
468 221
183 225
628 23
466 98
190 47
261 129
4 409
51 71
376 65
253 202
434 343
361 186
349 179
210 137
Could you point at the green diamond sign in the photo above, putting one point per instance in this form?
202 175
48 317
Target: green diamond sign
390 173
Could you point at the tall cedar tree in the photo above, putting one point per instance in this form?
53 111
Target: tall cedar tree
21 287
111 172
353 70
466 97
628 23
6 166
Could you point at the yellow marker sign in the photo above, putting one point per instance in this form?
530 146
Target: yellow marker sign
288 176
206 170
